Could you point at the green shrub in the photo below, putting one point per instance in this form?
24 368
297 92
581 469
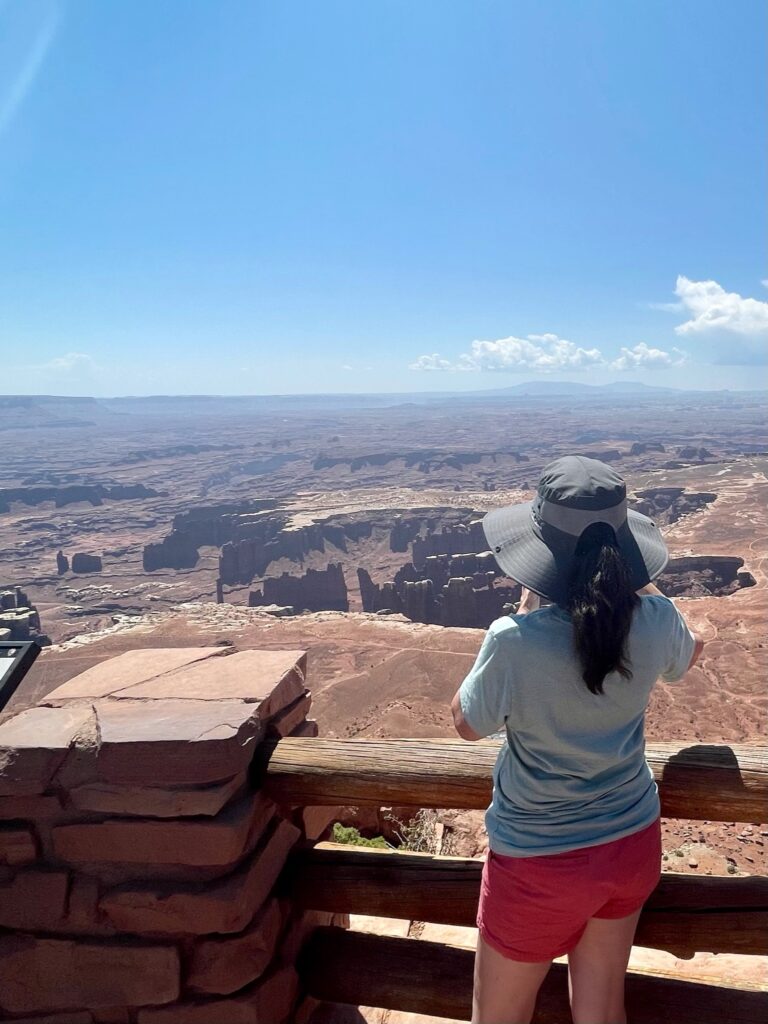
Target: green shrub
351 837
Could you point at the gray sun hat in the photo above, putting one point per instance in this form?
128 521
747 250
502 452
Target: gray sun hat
534 542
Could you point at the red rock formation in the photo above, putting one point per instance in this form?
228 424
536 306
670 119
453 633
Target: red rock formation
82 562
317 590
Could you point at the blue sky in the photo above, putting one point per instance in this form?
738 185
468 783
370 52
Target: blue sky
274 197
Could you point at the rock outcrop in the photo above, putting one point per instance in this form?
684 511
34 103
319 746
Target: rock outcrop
83 562
317 590
70 494
665 505
19 619
704 576
62 563
435 593
642 447
176 551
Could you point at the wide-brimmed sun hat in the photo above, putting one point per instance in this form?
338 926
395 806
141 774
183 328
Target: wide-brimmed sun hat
534 542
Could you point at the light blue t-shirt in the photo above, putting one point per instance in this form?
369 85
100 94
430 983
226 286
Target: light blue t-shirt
573 771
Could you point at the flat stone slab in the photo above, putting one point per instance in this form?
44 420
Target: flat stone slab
39 975
225 965
17 845
33 900
185 742
286 721
34 743
269 1001
221 907
218 842
153 801
29 808
273 679
130 669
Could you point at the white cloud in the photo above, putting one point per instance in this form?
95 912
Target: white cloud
544 353
641 357
433 362
666 307
764 282
72 361
713 309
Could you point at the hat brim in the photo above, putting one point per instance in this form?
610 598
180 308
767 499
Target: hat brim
545 568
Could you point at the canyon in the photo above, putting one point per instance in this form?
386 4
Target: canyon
316 523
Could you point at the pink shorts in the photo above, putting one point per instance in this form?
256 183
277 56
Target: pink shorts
536 908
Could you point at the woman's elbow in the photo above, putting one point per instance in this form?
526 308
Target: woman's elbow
460 723
697 652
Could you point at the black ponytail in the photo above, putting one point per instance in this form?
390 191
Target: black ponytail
601 601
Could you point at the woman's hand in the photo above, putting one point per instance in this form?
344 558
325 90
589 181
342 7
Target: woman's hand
529 602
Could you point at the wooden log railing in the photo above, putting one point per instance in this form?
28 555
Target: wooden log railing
685 914
415 976
699 781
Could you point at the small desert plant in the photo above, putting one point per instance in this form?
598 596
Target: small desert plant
420 834
351 837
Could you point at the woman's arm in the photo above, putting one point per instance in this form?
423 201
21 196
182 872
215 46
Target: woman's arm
698 647
462 726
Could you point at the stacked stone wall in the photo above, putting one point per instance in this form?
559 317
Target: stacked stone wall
139 859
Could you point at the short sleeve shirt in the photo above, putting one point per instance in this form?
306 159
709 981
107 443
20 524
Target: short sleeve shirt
572 772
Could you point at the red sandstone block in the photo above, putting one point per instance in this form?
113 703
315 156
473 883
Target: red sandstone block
31 808
217 842
59 1018
222 966
224 906
40 975
268 1002
33 900
155 801
287 720
34 743
186 742
308 728
113 1015
133 668
270 678
83 903
305 1010
17 846
314 821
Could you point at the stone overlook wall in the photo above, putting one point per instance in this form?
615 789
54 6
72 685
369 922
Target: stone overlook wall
138 858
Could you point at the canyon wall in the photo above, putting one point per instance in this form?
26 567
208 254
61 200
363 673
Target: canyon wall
69 494
317 590
665 505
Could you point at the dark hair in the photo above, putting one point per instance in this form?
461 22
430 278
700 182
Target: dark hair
601 601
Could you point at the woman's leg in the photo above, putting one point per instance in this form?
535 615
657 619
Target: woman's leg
597 968
505 990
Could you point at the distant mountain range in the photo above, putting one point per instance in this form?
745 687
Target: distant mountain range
36 411
565 387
